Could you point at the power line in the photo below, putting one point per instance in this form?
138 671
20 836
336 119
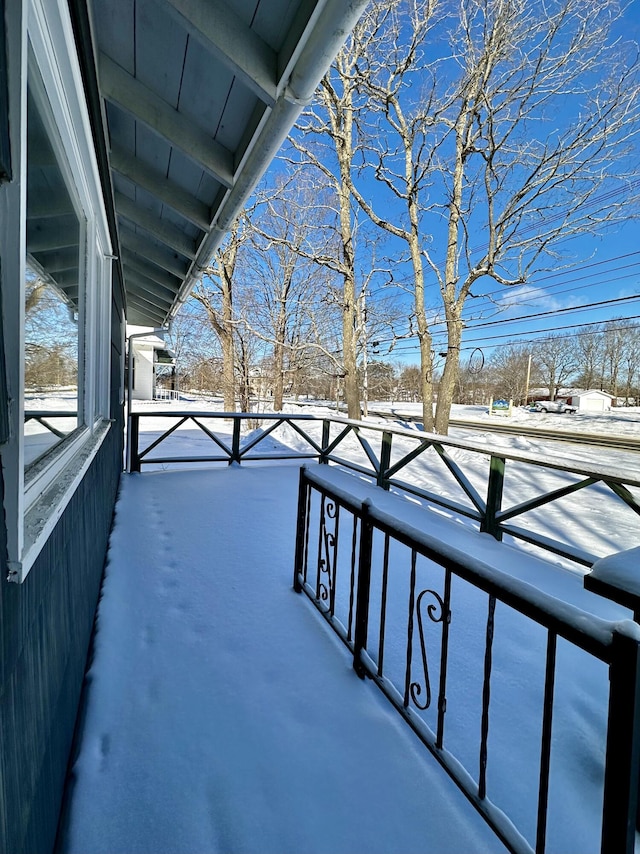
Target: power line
542 336
571 309
549 329
535 316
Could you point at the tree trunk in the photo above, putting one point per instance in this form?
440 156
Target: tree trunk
278 376
449 377
228 372
349 343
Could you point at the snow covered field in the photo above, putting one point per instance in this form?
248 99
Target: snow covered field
224 716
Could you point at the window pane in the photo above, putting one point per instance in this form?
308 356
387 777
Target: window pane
53 296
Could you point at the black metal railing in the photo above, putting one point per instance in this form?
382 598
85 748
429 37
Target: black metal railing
491 487
389 591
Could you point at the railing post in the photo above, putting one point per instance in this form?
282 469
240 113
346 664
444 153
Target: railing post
616 577
235 442
490 525
301 530
326 428
385 459
622 762
364 586
134 435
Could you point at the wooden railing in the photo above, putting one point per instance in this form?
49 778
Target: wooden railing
463 477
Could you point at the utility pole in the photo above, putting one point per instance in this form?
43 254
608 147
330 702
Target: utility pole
526 391
365 377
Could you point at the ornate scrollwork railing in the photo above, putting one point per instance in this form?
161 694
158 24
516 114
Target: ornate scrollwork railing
383 620
327 546
437 613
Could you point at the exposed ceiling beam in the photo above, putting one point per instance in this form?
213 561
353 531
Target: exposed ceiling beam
118 86
66 278
165 232
166 191
45 206
58 259
224 34
151 271
138 244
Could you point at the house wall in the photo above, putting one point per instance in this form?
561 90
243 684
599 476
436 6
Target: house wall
45 629
591 402
46 622
144 378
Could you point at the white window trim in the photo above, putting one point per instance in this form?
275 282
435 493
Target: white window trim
34 504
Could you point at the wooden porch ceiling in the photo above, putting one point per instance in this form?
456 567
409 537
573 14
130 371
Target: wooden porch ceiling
198 95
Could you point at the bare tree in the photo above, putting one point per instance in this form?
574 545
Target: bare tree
497 150
388 45
51 335
509 369
589 354
409 383
215 292
556 357
332 118
631 361
288 287
615 336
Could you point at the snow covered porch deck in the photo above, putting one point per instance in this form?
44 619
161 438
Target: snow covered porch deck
222 714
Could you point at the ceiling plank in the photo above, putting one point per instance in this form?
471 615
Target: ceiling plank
224 34
144 283
166 191
151 271
119 87
145 296
56 233
66 278
136 243
164 231
157 316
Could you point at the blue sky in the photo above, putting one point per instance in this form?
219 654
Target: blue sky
597 279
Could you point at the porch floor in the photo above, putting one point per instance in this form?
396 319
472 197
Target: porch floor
222 714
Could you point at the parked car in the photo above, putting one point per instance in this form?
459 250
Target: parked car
554 406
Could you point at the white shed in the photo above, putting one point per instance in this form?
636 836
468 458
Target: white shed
591 400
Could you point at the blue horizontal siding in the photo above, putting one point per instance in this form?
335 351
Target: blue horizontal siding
45 628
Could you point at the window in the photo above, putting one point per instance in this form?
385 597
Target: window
58 259
54 296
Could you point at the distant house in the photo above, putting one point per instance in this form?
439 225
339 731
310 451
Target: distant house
147 352
590 400
585 400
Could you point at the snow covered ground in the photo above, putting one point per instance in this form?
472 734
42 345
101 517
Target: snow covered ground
222 713
224 716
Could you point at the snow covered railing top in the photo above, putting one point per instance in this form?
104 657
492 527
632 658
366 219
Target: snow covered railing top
430 622
489 485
